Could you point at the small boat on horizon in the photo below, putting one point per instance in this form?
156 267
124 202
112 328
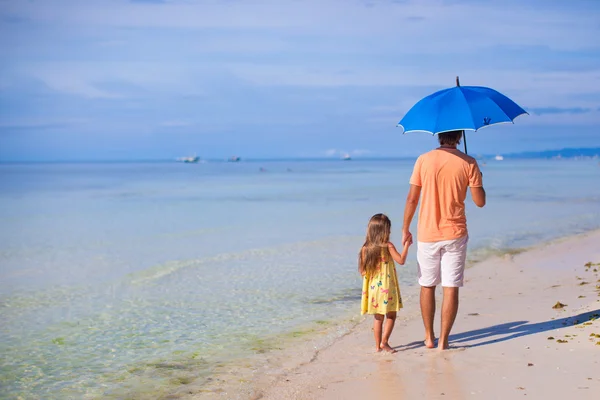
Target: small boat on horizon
346 157
192 159
234 159
499 158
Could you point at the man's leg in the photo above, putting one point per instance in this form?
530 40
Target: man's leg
454 255
449 311
429 265
428 313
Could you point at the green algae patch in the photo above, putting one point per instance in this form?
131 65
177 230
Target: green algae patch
181 380
590 264
301 333
262 346
59 341
559 305
480 255
134 370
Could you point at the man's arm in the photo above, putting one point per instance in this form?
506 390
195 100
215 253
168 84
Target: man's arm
478 196
476 185
412 201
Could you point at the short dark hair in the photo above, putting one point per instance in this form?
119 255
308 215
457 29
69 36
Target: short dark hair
451 138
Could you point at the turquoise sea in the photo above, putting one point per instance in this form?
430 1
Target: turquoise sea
133 280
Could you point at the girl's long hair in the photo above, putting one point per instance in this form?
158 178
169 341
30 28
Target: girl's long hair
378 236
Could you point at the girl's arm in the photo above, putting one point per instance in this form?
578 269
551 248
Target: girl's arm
399 258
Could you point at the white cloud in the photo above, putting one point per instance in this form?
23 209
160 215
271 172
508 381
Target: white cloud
313 43
263 45
342 153
112 43
86 78
41 123
71 84
531 89
439 27
361 152
582 119
176 123
241 44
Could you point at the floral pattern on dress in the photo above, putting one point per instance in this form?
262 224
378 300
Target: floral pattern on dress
381 292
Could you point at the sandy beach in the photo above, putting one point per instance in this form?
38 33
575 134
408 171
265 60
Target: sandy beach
508 340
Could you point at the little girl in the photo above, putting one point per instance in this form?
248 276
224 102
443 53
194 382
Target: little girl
381 293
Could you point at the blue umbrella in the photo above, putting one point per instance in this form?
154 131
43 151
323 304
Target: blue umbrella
465 108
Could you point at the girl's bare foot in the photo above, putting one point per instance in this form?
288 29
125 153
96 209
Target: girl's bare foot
388 348
378 349
429 343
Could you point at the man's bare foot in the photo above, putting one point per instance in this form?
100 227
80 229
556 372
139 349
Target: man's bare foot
388 348
429 343
443 345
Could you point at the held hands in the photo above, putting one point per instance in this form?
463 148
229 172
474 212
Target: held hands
407 237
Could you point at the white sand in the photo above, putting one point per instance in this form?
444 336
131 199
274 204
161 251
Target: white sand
513 299
501 346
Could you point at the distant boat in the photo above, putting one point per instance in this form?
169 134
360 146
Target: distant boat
193 159
346 157
234 159
499 158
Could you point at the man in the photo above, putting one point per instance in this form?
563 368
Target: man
440 179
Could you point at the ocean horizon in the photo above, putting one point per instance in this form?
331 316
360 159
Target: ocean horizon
567 153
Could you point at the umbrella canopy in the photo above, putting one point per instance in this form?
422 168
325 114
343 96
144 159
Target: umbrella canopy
466 108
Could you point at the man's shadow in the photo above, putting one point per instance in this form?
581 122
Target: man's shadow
508 331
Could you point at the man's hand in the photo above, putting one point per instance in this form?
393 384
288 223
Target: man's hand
412 201
407 237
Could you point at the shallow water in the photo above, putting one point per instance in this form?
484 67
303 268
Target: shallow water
122 280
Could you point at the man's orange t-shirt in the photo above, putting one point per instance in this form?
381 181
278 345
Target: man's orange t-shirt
444 176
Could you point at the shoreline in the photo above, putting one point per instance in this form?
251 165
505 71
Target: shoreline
298 373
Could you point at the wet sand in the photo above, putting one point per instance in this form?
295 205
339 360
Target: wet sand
507 342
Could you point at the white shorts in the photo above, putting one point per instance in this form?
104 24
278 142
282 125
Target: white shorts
442 262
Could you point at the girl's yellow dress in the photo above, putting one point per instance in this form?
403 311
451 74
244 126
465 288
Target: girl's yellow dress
381 292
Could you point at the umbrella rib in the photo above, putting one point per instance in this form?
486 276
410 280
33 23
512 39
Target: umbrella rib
501 110
438 109
461 90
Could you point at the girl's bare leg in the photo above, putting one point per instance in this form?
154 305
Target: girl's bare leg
387 331
377 325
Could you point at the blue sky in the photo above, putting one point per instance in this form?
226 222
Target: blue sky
151 79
